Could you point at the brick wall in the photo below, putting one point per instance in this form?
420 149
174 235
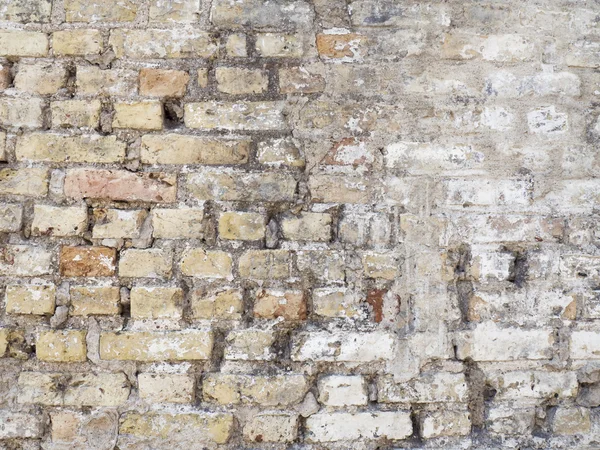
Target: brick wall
304 224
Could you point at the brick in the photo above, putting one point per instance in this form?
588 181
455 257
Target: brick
342 47
87 261
178 11
430 387
532 384
76 114
307 227
419 158
235 46
166 346
378 265
300 80
197 262
117 223
23 43
271 304
271 427
11 218
149 263
239 80
242 226
341 346
338 189
569 421
30 299
501 48
61 346
240 186
445 423
275 390
250 116
583 53
330 427
5 77
21 113
4 336
332 302
139 116
265 264
185 149
249 345
547 121
26 11
120 185
40 79
185 429
95 300
510 421
163 82
280 152
166 388
92 80
224 304
77 389
156 302
277 45
489 342
25 261
202 77
257 14
109 11
341 390
365 229
17 425
584 345
95 428
154 43
77 42
59 148
323 265
59 221
180 223
484 192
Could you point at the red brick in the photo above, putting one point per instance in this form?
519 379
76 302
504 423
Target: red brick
87 261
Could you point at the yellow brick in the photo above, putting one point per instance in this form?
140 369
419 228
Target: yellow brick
156 303
30 299
59 148
167 346
166 388
103 11
23 43
100 300
59 221
139 116
77 42
4 333
242 226
180 223
117 223
61 346
201 263
150 263
76 114
226 304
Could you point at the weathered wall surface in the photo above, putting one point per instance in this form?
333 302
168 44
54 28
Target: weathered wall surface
307 224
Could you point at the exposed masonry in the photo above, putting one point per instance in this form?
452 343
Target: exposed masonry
305 224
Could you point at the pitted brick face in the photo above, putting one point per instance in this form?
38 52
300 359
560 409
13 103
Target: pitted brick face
307 224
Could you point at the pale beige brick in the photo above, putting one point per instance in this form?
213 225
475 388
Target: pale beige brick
280 45
224 304
200 263
166 388
105 11
11 218
239 80
95 300
117 223
163 82
272 427
61 346
156 302
139 116
251 116
59 148
59 221
242 226
249 345
25 261
184 149
178 11
166 346
265 264
342 390
40 79
30 299
91 80
150 263
23 43
21 112
202 77
379 265
280 152
180 223
28 182
235 45
77 42
26 11
160 44
307 227
76 114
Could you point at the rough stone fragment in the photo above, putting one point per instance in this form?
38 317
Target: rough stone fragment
20 425
117 223
236 81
